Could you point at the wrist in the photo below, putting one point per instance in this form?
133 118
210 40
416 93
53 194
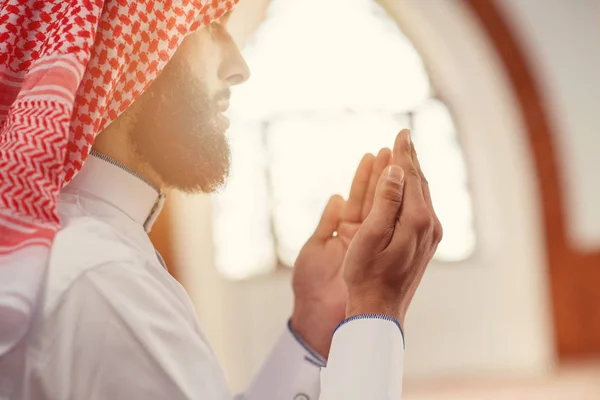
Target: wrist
314 329
375 305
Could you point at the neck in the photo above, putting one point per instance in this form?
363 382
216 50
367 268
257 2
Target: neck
115 143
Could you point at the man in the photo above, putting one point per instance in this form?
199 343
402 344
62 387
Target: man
112 323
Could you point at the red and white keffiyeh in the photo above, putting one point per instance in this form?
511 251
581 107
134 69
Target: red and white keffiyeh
67 69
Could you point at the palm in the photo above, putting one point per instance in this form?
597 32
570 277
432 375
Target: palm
318 273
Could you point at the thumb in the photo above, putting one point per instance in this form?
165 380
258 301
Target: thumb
330 219
388 199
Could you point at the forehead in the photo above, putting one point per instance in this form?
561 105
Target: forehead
202 48
225 17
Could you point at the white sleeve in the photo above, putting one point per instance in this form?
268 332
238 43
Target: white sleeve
365 362
290 372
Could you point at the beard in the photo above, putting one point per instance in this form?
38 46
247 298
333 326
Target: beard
178 131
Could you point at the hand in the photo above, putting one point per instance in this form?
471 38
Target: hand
388 255
320 293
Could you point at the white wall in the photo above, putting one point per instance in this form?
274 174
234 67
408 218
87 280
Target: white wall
562 38
486 315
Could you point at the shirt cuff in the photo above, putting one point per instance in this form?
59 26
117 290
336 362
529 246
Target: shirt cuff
316 359
290 372
372 316
365 360
311 355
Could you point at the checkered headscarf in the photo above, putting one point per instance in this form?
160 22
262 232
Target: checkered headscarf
67 69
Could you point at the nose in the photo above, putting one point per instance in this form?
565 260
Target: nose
233 69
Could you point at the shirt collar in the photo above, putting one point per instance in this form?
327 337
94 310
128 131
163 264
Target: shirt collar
114 183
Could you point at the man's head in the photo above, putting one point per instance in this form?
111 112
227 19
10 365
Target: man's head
174 134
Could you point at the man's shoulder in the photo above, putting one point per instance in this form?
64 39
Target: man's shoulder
82 245
88 240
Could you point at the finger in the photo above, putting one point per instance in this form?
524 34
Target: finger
383 160
424 182
402 156
381 222
354 205
330 219
416 219
437 229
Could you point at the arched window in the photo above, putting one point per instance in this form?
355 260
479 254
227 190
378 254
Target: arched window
327 87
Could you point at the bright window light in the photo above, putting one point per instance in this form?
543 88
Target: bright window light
327 87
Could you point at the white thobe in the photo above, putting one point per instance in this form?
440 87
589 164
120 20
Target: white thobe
113 323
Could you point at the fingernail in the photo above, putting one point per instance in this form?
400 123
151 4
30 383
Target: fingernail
394 174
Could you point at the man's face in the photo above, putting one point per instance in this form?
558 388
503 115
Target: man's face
178 124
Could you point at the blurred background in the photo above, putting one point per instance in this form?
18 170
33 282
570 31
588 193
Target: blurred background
502 99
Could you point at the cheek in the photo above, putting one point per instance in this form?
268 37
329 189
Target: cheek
201 55
205 71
